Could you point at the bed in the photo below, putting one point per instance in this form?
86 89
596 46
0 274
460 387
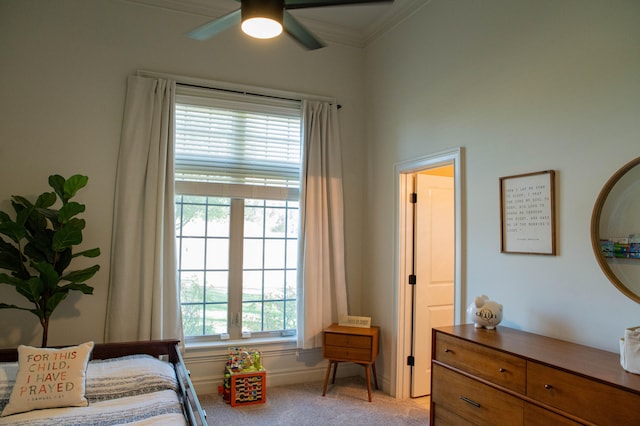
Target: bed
137 383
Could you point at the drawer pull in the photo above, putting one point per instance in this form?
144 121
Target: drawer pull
502 370
548 387
447 350
469 401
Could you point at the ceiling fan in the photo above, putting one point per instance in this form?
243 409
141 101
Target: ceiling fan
268 18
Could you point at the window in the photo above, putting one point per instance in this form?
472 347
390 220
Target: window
237 206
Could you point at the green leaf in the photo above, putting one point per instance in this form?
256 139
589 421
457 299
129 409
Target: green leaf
13 230
54 301
77 223
88 253
35 220
82 275
10 263
26 292
68 235
69 210
36 287
57 183
7 279
48 274
73 184
10 258
79 287
4 217
39 251
6 306
21 201
46 199
50 214
63 260
23 211
40 240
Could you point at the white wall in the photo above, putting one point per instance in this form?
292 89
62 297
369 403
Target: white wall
523 86
63 79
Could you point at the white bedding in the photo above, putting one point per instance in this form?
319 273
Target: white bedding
134 390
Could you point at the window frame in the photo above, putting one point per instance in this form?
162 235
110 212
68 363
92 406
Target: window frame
236 191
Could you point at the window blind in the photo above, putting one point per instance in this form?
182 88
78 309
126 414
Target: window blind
235 141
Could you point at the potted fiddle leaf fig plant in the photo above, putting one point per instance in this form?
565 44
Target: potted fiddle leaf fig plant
37 248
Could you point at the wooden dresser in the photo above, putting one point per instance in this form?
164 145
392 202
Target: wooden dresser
510 377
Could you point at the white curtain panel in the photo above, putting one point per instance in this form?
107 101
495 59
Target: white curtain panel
322 292
144 302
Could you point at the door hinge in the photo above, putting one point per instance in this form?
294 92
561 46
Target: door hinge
413 198
412 279
411 360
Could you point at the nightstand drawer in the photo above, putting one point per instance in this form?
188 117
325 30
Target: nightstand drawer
576 395
472 400
349 354
490 364
347 340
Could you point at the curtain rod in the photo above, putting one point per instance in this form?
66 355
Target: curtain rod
236 88
242 92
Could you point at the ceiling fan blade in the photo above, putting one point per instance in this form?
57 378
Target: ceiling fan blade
302 35
303 4
216 26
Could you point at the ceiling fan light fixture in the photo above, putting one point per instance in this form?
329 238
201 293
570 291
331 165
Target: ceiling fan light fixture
279 20
262 27
262 18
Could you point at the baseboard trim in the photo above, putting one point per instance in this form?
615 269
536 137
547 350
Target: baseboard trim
208 384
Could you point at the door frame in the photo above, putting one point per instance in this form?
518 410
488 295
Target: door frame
401 385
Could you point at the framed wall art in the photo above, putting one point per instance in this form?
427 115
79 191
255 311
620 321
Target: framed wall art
527 213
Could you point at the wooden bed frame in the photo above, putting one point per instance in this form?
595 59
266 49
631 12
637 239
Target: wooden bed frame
166 349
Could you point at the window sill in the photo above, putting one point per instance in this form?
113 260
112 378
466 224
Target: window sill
265 344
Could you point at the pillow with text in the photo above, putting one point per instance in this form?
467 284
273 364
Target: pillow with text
49 378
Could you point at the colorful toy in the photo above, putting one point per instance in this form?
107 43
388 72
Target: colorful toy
244 377
243 360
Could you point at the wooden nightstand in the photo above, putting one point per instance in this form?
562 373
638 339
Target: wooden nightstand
351 344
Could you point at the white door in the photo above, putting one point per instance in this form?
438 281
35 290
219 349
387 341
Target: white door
434 242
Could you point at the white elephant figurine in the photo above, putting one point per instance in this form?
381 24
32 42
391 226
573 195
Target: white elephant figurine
485 313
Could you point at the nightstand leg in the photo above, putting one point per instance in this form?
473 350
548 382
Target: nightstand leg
368 377
335 370
326 378
375 375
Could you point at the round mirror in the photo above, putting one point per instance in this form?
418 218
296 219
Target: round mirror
615 229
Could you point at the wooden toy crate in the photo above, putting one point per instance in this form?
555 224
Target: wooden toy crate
248 388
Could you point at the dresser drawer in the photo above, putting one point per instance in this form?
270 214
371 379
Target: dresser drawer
475 402
537 416
347 340
589 399
444 417
490 364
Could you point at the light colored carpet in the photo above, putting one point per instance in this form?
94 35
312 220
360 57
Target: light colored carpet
346 403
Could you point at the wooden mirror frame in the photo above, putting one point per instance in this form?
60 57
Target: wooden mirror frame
595 229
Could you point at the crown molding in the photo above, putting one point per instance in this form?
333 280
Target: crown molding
392 18
328 32
196 7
